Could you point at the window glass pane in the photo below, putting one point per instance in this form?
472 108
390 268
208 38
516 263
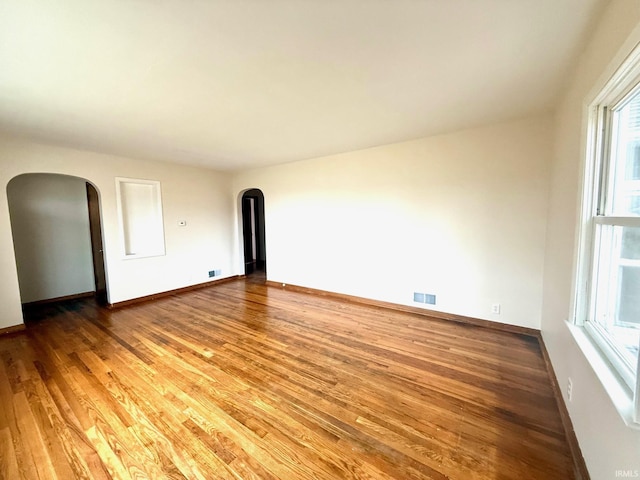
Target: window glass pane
628 307
617 289
625 150
632 168
630 243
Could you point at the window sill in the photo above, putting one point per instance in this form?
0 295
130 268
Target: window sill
615 387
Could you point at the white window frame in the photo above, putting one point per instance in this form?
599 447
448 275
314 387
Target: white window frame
624 81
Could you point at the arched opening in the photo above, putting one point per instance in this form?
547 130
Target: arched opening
57 237
253 232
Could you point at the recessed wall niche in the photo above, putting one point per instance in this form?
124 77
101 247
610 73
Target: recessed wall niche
140 216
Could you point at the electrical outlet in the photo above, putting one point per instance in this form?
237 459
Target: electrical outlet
495 309
569 389
212 273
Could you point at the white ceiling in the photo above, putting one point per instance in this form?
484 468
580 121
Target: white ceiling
233 84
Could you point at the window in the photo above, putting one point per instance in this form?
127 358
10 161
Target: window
609 291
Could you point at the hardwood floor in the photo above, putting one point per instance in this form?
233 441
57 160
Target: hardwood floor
246 381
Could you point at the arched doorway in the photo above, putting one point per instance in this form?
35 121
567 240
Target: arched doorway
57 236
253 232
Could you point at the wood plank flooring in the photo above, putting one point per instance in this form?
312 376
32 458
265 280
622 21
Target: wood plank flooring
244 381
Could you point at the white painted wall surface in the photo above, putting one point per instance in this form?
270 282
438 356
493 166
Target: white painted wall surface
461 216
50 225
201 197
606 443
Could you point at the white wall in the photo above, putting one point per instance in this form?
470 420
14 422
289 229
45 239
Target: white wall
50 225
199 196
606 443
461 216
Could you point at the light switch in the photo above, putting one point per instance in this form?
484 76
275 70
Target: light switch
182 223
